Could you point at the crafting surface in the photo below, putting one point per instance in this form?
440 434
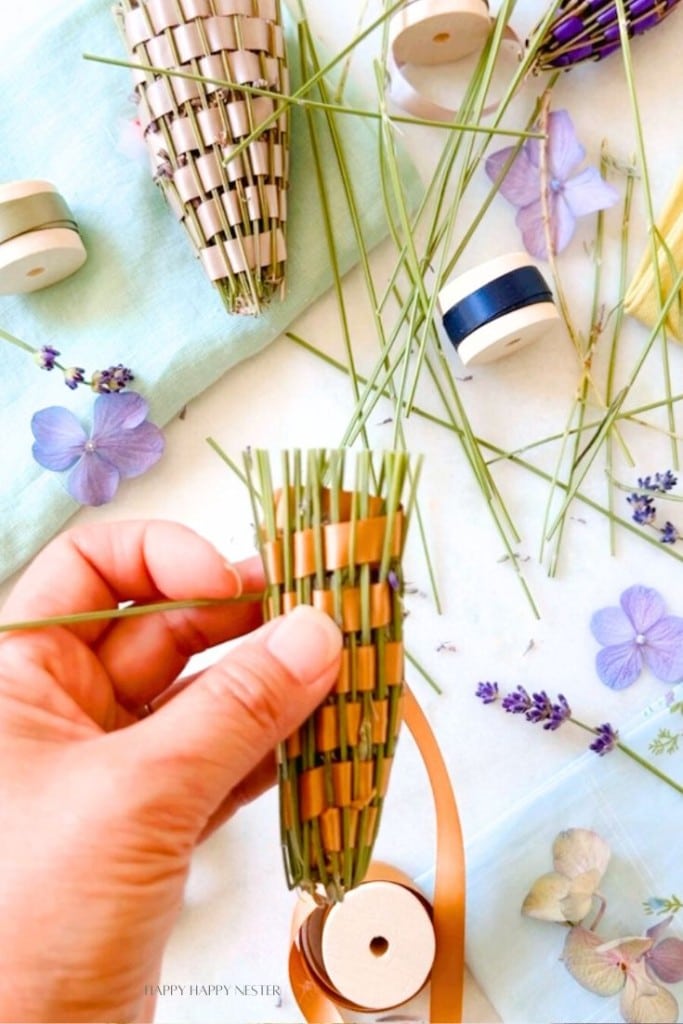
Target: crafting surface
234 927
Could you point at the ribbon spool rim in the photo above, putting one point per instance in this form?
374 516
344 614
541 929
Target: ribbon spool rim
40 241
509 333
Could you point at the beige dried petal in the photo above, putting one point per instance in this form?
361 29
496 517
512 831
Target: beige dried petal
628 949
592 967
578 850
579 901
544 899
576 906
643 1001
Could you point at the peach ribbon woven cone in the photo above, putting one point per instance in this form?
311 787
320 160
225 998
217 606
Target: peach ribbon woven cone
641 300
340 551
317 998
234 210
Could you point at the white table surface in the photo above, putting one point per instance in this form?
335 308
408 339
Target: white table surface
234 927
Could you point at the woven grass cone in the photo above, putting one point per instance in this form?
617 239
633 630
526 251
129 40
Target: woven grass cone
234 210
339 550
590 31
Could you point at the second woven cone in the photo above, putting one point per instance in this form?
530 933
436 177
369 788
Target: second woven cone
234 209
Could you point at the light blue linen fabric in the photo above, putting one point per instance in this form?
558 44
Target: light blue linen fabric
142 298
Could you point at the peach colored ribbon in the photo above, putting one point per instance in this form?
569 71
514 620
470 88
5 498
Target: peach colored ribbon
317 1000
430 32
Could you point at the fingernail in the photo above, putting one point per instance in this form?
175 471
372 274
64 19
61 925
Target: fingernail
306 641
239 586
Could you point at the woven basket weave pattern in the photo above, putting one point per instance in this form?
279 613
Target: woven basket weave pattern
590 31
344 559
235 212
334 800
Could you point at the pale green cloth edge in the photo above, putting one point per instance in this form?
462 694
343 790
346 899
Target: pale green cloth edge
142 298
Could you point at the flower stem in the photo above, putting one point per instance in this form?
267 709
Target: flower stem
630 752
127 612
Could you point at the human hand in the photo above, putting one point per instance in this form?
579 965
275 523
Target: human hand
102 805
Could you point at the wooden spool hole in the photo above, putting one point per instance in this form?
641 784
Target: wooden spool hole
378 945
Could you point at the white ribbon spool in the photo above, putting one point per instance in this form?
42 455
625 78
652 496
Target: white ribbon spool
378 945
430 32
37 256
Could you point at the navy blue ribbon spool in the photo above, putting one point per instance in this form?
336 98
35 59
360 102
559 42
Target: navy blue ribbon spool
522 287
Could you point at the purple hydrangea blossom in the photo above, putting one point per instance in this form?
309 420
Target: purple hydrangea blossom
665 958
636 634
569 193
46 357
122 444
606 740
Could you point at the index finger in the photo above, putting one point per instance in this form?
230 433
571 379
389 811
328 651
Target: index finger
98 566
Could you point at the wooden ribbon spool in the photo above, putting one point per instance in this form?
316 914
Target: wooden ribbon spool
434 32
317 960
497 307
39 239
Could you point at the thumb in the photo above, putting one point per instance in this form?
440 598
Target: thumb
201 744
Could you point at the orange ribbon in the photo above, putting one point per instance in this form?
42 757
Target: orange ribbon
317 999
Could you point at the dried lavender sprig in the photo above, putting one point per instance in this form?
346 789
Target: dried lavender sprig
644 510
538 707
108 381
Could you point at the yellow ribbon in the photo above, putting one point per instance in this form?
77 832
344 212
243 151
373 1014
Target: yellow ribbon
317 999
641 300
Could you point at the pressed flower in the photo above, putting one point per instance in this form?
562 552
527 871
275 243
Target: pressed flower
636 634
122 444
665 958
569 193
46 357
606 740
633 966
580 859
